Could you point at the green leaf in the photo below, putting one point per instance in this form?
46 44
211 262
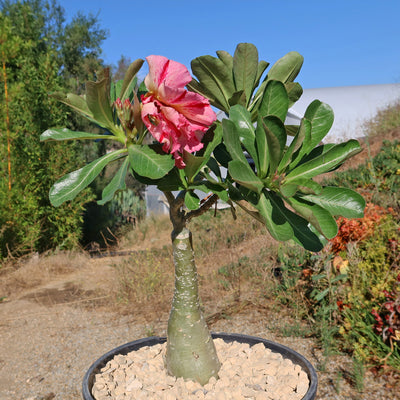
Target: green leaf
321 117
286 68
238 98
294 91
339 201
77 103
303 135
66 134
215 77
262 150
222 155
117 183
216 188
73 183
129 82
242 173
232 141
245 67
320 218
291 130
193 165
271 209
245 129
302 185
98 101
303 232
276 138
226 58
322 294
192 201
275 101
115 88
147 162
325 162
262 66
197 87
214 167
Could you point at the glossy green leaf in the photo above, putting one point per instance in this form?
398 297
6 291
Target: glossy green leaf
192 201
245 67
66 134
218 188
98 101
303 232
276 139
226 58
214 167
275 101
339 201
286 68
130 80
77 103
321 117
232 141
291 130
148 163
262 66
215 77
114 91
117 183
294 91
73 183
222 155
242 173
271 208
193 165
303 185
262 150
245 129
198 87
320 218
303 135
325 162
238 98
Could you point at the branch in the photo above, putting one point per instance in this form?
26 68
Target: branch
203 208
176 214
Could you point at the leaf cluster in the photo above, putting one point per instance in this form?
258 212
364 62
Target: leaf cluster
247 158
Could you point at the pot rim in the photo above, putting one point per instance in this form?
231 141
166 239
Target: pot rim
126 348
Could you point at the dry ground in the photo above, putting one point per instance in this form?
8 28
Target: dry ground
60 312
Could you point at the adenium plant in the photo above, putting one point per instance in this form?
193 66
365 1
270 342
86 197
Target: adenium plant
170 137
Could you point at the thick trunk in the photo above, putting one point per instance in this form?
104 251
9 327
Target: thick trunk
191 352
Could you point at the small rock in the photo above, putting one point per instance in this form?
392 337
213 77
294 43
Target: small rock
134 384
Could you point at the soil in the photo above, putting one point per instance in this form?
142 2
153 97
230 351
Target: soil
58 315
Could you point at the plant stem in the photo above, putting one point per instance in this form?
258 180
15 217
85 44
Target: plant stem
191 352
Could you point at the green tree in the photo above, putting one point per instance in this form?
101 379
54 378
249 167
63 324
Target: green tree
37 59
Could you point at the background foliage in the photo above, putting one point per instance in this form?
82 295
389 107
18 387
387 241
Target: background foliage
40 53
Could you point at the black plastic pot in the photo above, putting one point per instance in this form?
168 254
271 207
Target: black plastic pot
286 352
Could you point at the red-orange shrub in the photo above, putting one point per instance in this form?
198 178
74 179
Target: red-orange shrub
354 230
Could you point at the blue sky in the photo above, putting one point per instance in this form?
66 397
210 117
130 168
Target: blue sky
344 42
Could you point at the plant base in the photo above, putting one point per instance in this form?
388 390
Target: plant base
286 353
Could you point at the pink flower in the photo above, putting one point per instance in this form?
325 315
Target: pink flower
174 116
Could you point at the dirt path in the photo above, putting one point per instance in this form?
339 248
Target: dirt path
52 332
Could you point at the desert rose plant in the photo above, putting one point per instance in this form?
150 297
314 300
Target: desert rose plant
244 158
